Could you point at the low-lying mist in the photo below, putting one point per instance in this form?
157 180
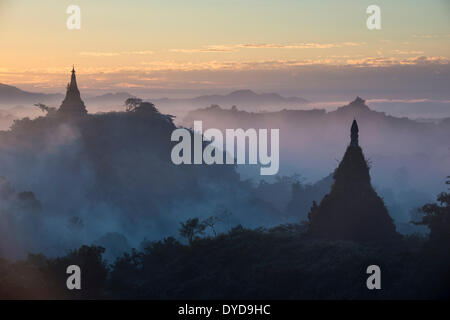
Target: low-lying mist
107 178
409 159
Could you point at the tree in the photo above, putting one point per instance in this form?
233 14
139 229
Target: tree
436 216
94 273
138 106
211 222
191 229
45 108
94 270
132 103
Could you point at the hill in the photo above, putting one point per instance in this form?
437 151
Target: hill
244 99
10 95
112 172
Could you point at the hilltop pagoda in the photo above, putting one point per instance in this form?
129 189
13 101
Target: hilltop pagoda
72 104
352 210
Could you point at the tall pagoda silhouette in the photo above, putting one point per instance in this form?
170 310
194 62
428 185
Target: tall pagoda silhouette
72 104
352 210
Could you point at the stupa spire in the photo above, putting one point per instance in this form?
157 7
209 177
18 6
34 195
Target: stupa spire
352 210
354 134
72 103
73 81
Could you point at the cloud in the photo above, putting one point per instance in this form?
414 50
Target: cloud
283 64
115 54
129 85
382 61
176 75
207 49
236 47
431 36
145 68
297 45
408 100
427 60
41 74
403 52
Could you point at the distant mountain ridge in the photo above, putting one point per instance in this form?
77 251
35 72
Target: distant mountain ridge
310 140
11 94
110 98
356 108
248 96
245 99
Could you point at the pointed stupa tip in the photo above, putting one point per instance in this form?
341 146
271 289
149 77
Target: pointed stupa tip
73 80
354 134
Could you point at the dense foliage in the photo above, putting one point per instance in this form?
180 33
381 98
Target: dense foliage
280 263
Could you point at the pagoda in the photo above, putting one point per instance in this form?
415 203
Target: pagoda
352 210
72 104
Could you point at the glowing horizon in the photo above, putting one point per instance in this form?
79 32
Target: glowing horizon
206 45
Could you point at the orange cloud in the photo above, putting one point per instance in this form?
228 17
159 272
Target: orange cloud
207 49
298 45
234 48
114 54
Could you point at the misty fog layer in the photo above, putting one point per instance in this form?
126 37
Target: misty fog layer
106 174
409 159
108 179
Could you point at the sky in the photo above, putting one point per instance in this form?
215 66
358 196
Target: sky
184 48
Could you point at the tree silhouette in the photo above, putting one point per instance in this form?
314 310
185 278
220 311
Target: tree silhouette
210 223
45 108
138 106
191 229
132 103
436 216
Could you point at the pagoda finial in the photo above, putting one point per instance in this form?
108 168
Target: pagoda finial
73 80
354 134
